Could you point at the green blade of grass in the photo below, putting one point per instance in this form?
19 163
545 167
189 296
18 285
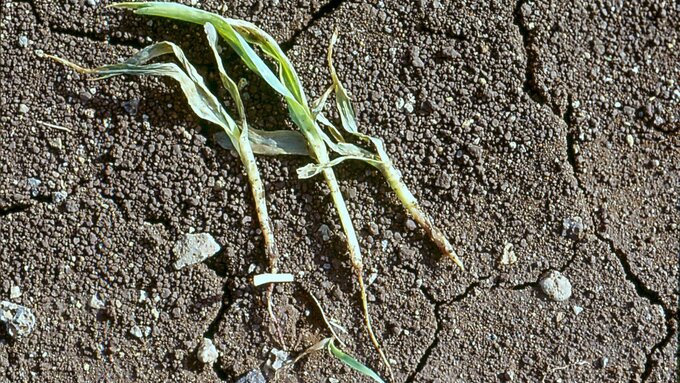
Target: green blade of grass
270 142
253 174
353 363
203 103
385 165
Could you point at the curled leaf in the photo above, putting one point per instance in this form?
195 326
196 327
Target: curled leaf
270 143
353 363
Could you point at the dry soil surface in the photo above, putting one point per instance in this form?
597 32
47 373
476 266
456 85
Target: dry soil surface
505 118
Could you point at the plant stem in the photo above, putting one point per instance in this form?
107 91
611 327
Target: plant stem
354 251
393 177
270 248
257 187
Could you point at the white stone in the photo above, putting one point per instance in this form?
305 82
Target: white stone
555 285
96 303
207 353
14 292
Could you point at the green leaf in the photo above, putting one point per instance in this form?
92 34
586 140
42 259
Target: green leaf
310 170
270 143
227 81
353 363
199 97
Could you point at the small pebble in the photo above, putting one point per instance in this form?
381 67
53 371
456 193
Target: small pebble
577 309
59 197
23 108
254 376
508 257
86 367
194 248
207 353
555 285
373 228
19 320
572 228
630 140
604 362
131 106
508 376
14 292
96 303
411 225
277 358
34 183
23 41
325 232
136 332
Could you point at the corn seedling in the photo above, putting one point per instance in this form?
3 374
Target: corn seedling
239 35
329 345
380 159
206 106
326 343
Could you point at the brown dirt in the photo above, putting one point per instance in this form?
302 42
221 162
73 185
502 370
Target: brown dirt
524 114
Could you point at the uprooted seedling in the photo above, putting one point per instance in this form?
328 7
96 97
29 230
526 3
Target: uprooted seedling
239 35
206 106
320 139
329 344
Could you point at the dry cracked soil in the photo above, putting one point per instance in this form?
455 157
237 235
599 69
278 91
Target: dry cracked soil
505 118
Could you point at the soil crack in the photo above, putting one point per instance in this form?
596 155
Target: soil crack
643 291
530 86
538 93
18 208
324 11
437 304
214 326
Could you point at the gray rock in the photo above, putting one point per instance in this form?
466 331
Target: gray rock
14 292
604 362
131 106
253 376
59 197
96 303
411 225
325 232
23 41
555 285
450 53
373 228
572 228
277 359
207 353
23 108
34 184
194 248
19 320
416 61
136 332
